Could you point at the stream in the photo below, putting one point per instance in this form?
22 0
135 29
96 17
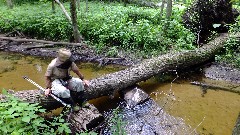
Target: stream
215 112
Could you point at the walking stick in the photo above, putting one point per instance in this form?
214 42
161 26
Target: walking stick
41 88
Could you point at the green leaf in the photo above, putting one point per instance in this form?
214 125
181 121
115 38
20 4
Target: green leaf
61 120
60 129
4 92
10 111
26 119
15 133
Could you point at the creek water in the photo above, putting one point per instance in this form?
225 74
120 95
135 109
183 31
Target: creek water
214 113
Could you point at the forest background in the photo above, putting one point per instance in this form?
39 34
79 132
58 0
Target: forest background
115 28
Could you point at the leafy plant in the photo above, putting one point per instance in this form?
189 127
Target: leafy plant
117 123
231 53
18 117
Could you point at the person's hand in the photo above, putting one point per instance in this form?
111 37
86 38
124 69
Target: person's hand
86 83
47 92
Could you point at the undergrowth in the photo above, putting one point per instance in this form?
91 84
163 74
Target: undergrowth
104 25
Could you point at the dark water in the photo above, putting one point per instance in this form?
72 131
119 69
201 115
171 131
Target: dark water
215 113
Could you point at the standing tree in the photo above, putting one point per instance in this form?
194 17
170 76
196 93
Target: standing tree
9 3
78 5
169 9
73 19
162 7
53 6
77 36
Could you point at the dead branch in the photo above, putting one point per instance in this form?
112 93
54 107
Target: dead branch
41 41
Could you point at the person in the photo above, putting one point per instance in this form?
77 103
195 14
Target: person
58 79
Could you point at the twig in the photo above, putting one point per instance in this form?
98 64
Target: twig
197 126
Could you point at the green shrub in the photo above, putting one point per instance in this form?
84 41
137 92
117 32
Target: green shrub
21 118
231 53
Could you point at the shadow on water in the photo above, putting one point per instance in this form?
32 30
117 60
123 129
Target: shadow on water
214 113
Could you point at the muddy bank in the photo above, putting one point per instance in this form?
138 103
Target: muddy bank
82 53
222 72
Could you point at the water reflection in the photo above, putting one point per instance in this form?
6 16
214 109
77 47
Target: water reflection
215 113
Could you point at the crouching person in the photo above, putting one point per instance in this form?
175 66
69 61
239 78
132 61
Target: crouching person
58 79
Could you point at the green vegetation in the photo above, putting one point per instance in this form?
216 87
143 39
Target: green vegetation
116 123
231 53
109 27
21 118
104 25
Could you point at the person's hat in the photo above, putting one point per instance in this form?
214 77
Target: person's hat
64 54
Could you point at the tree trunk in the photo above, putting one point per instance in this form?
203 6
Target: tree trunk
10 4
64 10
169 9
86 10
78 5
162 7
77 36
53 6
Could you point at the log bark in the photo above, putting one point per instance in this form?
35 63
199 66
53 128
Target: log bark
40 41
107 84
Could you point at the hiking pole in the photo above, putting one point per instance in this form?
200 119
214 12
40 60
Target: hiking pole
41 88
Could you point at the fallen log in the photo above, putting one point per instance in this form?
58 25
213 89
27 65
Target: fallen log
40 41
107 84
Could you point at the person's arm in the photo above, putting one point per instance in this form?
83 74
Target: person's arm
79 74
48 85
48 79
75 69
